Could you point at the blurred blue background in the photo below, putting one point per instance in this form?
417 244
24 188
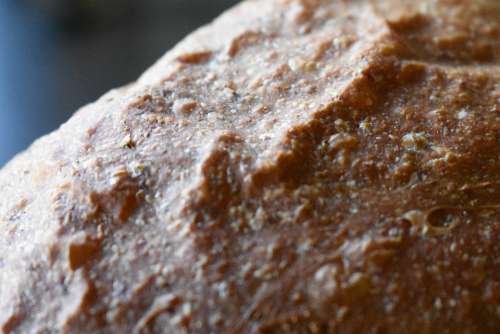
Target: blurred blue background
57 55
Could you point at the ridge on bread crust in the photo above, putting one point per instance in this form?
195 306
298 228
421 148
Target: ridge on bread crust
296 166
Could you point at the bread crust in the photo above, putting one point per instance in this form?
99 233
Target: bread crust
296 166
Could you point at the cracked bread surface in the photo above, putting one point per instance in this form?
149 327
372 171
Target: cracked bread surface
297 166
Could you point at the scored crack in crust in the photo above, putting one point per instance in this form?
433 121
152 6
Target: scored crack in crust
296 166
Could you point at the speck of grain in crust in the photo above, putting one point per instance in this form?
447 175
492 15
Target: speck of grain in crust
245 39
301 11
414 140
462 114
81 250
184 106
342 141
127 142
194 57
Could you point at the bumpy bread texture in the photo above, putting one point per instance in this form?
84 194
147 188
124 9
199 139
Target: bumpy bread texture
297 166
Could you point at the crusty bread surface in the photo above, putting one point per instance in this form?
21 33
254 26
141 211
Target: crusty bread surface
297 166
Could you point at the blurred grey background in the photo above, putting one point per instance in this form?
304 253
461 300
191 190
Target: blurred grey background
57 55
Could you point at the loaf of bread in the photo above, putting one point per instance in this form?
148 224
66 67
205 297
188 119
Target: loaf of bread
297 166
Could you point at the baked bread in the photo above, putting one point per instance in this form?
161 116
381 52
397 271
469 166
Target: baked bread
298 166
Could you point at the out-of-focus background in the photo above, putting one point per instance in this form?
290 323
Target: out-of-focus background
57 55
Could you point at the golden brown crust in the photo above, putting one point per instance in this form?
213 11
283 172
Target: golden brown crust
297 166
